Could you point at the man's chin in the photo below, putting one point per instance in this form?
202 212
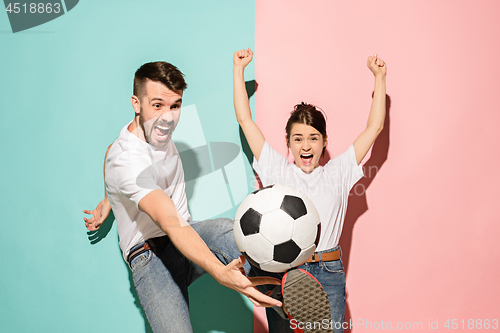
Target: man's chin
158 143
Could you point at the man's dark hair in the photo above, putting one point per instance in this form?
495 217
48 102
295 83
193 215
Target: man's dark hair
159 71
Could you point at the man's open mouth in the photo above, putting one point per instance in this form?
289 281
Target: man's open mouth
161 131
306 158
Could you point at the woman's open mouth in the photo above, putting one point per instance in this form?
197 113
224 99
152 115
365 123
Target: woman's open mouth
306 159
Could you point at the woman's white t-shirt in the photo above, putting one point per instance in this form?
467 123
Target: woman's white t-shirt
327 187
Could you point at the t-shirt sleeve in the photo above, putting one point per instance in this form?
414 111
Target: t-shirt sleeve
346 167
135 179
271 165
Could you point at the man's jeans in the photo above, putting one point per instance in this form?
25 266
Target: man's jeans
161 279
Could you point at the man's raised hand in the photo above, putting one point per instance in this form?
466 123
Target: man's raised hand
242 57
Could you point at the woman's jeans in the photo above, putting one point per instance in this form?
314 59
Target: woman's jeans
332 278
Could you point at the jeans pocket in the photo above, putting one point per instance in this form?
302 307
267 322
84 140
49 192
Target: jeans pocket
141 260
334 266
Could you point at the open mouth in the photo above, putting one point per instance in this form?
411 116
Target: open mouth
161 131
306 159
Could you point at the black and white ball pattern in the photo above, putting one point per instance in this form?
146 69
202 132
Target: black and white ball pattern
276 228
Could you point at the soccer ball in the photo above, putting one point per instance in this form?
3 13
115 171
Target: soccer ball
276 228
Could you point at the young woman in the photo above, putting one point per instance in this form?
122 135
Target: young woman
327 186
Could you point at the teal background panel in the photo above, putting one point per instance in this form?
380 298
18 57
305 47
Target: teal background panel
66 87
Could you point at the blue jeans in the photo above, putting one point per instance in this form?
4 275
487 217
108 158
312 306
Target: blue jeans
330 275
161 278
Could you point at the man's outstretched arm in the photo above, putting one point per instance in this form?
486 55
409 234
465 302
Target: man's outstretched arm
163 212
101 212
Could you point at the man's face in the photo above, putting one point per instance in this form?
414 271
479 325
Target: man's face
160 109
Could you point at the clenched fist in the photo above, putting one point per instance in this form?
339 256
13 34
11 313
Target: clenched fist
377 66
242 58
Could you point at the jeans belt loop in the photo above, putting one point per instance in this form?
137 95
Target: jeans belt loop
150 245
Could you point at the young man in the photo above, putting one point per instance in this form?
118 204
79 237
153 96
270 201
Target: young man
145 186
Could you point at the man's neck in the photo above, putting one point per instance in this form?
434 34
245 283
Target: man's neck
136 129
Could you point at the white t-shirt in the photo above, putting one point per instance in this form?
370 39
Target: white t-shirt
327 187
133 169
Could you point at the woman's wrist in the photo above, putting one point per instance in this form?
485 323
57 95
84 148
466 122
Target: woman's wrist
238 69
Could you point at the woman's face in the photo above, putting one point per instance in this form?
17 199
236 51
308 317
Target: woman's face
306 144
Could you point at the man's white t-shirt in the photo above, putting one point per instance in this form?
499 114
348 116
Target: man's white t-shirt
327 187
134 168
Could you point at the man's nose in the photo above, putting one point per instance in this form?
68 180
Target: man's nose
167 115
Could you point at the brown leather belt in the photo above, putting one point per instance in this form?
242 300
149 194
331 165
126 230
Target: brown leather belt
325 256
150 244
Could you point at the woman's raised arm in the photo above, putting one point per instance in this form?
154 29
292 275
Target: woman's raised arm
376 118
252 132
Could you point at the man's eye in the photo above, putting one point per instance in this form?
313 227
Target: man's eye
174 107
157 106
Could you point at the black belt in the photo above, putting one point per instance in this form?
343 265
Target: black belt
151 244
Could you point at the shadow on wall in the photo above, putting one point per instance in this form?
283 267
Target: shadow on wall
358 203
101 233
97 236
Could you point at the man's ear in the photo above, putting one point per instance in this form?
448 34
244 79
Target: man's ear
136 104
325 140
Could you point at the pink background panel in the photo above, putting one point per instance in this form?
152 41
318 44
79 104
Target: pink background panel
421 243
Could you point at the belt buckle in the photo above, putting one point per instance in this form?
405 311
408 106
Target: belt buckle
313 259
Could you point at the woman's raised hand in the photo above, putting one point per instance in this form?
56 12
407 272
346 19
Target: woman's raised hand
242 57
377 65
